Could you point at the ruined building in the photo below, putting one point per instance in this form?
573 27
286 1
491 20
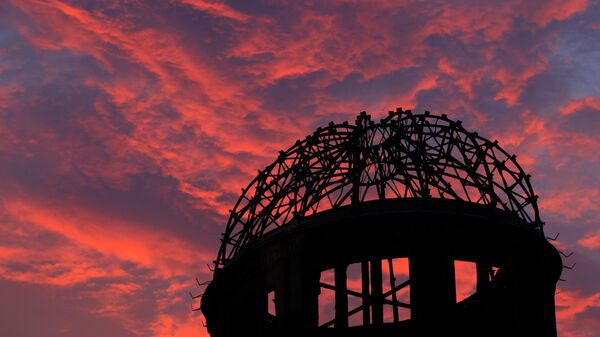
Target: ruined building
358 229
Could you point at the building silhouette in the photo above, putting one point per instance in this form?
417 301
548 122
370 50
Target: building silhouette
357 231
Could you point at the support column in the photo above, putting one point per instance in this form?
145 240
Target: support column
300 316
341 297
376 292
485 314
392 286
364 268
432 293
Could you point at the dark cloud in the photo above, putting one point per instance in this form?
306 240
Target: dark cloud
40 310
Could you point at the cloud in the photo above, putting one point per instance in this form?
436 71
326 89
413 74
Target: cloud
168 256
574 106
590 241
572 307
216 8
127 130
54 310
118 270
558 11
167 326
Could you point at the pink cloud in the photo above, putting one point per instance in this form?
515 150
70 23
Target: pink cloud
590 240
557 11
570 305
576 105
195 105
92 255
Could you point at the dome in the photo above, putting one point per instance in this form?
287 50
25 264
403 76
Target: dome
402 156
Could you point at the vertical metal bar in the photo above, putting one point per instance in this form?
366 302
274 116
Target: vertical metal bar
356 169
483 276
392 286
356 152
381 189
376 292
483 287
364 267
341 297
382 180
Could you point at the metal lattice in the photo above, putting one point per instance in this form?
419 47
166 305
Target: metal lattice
402 156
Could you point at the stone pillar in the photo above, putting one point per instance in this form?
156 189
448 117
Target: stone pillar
432 293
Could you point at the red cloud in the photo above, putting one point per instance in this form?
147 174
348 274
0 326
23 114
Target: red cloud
576 105
167 256
96 249
569 305
195 105
159 54
591 241
217 9
166 325
572 203
70 267
557 10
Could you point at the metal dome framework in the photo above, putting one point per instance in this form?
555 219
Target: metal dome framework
403 156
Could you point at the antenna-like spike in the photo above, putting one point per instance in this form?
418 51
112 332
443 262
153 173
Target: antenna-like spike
565 255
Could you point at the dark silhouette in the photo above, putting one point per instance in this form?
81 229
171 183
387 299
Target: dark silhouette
419 187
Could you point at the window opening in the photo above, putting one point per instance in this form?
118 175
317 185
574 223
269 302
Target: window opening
373 292
355 302
396 290
271 304
465 275
327 298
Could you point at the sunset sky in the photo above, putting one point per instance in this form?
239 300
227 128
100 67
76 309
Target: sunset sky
127 131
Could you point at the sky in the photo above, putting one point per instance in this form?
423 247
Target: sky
128 128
